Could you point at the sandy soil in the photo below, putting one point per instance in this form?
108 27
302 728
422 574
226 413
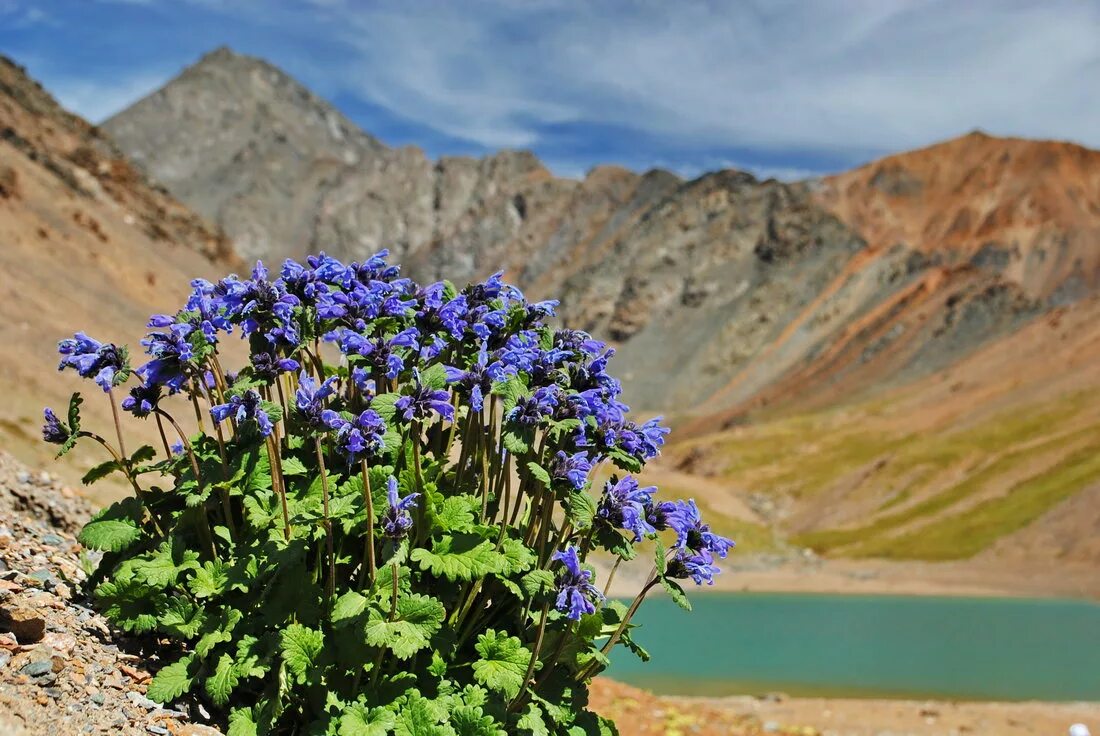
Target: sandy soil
640 714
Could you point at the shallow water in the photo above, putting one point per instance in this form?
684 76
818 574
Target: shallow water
868 646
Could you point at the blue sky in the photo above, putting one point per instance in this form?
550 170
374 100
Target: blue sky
788 88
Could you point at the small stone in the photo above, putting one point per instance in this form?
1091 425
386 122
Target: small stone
100 699
141 701
53 692
160 730
53 540
23 477
38 668
25 623
5 657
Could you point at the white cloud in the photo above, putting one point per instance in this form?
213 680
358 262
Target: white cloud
854 76
97 100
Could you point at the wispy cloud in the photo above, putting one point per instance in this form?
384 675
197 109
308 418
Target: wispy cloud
97 100
780 87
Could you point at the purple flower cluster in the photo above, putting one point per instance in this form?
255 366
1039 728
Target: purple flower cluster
105 363
397 521
243 407
577 595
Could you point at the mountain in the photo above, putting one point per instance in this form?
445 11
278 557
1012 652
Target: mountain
88 243
713 289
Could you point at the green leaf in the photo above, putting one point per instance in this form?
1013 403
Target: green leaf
531 721
421 717
219 685
99 472
348 606
503 664
384 405
130 604
358 720
171 681
515 557
539 473
143 454
517 442
659 560
301 646
242 723
109 535
182 618
469 720
417 619
164 567
210 580
216 630
434 376
293 466
462 557
676 593
509 390
537 581
582 509
456 513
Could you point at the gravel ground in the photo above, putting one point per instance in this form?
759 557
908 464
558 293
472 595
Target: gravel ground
62 670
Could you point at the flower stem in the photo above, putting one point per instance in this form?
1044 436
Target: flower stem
163 438
330 577
611 575
277 482
368 551
118 424
587 671
534 657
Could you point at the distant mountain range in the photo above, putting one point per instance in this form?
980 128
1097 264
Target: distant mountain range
751 311
720 291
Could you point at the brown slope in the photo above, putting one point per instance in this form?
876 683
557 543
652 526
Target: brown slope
88 244
1027 209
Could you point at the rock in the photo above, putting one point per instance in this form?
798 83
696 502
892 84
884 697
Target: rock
37 668
27 625
99 699
53 540
141 701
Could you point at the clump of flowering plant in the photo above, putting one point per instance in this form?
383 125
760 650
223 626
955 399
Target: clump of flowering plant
395 542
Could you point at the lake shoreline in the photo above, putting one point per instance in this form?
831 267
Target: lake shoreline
960 578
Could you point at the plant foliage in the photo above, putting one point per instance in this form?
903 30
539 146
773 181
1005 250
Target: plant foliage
395 541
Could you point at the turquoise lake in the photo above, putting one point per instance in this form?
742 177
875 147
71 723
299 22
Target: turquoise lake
868 646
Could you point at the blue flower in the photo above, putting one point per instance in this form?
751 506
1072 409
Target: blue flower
576 593
692 534
699 566
661 514
623 506
475 382
310 398
397 521
142 399
532 409
242 407
53 431
267 367
359 438
422 401
572 469
177 448
171 352
105 363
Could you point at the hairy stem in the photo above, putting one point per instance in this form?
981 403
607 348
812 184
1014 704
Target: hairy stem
534 657
368 551
118 423
330 577
277 482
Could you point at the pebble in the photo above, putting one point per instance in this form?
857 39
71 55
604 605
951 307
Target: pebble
54 541
161 730
37 668
100 699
